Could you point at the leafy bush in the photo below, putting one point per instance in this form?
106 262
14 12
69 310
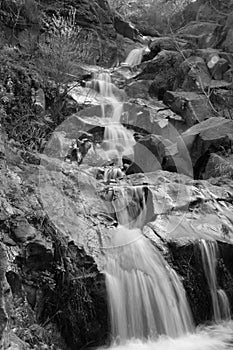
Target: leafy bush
58 53
50 67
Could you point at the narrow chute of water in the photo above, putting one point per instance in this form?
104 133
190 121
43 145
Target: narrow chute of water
221 307
135 57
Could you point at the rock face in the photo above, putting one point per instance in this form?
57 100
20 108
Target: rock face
181 212
49 273
214 134
191 106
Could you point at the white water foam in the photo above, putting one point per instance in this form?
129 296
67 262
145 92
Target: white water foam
217 337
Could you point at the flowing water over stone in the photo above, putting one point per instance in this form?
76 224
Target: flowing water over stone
209 252
146 297
135 57
118 141
218 337
147 302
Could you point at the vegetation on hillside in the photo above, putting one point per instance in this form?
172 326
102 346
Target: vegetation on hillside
38 65
155 13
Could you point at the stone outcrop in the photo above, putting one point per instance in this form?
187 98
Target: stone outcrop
179 213
193 107
53 281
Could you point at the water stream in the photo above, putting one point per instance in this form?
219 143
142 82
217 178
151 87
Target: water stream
220 303
118 141
147 302
134 58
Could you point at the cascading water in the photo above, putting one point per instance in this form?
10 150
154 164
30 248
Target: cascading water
118 141
135 57
146 297
147 302
209 253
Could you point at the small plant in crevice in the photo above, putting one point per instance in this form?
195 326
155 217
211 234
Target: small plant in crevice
58 59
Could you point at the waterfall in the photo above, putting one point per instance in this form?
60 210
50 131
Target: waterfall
146 297
118 141
135 57
147 301
218 337
209 253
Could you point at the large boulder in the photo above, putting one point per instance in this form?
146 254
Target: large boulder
193 107
165 62
165 71
211 135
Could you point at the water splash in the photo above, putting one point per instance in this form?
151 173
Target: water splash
218 337
209 253
146 297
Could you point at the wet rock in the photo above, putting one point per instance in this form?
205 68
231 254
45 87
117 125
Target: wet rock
185 210
193 107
